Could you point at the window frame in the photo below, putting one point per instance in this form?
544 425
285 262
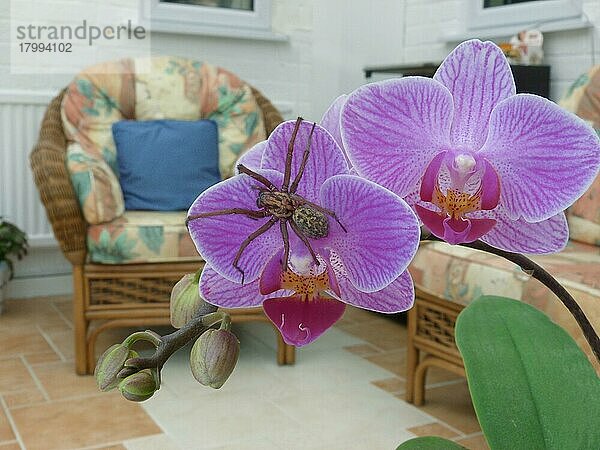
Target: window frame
197 19
530 14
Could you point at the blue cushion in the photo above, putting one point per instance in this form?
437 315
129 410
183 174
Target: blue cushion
165 164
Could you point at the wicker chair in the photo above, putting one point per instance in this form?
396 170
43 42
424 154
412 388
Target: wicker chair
112 295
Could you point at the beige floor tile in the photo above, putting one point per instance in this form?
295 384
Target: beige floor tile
474 443
42 358
26 340
433 429
383 333
156 442
452 404
21 398
6 432
10 446
391 385
63 342
82 422
14 376
60 381
111 447
395 362
65 306
27 314
358 315
362 349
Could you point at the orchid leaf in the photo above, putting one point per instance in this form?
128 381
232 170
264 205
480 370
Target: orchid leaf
429 443
531 385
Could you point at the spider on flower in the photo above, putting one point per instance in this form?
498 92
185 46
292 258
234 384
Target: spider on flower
283 205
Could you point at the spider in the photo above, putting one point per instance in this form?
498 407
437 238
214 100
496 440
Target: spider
283 205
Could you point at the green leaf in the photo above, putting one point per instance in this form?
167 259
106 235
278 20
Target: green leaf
152 237
531 385
429 443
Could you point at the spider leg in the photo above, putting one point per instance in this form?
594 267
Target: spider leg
325 211
246 212
286 244
263 229
304 239
294 185
258 177
288 158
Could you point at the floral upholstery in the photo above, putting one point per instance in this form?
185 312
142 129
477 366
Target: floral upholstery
141 237
583 99
146 89
461 274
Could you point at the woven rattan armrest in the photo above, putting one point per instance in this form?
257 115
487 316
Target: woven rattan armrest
271 116
54 184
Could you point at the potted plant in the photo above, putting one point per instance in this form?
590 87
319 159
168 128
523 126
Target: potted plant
13 242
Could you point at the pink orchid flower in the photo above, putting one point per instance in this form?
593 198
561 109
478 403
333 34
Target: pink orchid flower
304 281
473 158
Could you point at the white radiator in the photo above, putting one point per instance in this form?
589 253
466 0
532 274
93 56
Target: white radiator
20 117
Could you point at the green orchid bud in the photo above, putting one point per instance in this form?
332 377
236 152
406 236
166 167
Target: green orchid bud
110 364
140 386
214 356
185 300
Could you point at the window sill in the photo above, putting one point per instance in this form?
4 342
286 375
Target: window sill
503 31
223 32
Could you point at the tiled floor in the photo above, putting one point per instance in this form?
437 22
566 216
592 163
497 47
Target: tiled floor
345 392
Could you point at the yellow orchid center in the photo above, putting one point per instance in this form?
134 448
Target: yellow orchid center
307 287
455 203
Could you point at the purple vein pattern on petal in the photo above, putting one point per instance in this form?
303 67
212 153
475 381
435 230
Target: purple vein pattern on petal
479 77
331 119
325 159
548 236
221 292
218 238
545 156
392 129
252 158
382 231
396 297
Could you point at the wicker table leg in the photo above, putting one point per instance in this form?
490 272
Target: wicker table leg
412 355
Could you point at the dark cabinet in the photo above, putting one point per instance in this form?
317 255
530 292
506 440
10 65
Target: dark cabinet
529 79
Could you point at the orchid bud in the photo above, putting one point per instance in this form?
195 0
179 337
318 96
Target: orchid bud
214 356
140 386
110 364
185 300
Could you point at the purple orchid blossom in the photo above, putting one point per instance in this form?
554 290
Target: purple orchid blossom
473 158
361 259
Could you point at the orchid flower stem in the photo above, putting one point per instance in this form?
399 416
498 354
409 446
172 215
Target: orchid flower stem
538 272
172 342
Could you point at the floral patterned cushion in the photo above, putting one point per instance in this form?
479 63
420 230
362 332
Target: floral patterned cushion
583 99
141 237
145 89
460 275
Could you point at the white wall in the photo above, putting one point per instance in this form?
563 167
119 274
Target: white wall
330 41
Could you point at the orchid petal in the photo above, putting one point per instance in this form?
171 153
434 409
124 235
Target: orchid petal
218 238
479 77
302 321
221 292
548 236
431 176
392 129
454 231
331 119
325 158
398 296
252 158
546 157
382 232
